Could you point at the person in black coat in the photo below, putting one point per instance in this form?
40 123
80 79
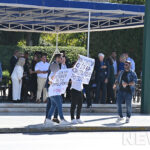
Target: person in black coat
102 75
33 77
13 61
67 61
25 80
111 81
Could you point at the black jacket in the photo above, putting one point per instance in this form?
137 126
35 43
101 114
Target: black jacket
13 62
102 74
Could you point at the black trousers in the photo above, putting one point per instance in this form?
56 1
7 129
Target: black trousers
76 101
101 85
88 95
110 93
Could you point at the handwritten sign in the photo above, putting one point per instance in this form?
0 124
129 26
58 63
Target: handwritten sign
82 70
60 82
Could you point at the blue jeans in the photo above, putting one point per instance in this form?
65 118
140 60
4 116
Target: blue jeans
48 106
56 101
127 97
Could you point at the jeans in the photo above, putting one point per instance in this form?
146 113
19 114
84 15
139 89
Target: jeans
48 106
127 97
76 100
101 85
56 101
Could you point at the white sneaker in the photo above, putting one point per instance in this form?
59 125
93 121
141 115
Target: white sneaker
64 122
49 122
127 120
119 120
74 121
80 121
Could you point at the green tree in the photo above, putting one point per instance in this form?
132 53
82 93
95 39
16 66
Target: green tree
72 39
128 1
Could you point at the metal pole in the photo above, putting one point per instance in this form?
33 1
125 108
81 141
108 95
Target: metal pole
145 106
88 42
56 50
57 42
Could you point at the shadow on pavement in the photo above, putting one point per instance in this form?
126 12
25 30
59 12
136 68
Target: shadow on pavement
101 119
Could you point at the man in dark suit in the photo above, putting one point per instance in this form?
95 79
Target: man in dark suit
102 74
25 79
13 62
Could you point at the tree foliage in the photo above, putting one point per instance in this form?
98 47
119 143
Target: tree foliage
72 39
121 41
7 51
128 1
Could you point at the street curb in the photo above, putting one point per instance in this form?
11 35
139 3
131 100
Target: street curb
74 129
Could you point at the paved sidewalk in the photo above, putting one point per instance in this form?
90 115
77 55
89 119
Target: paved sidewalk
33 122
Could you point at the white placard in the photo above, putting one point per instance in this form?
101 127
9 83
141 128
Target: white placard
83 69
60 82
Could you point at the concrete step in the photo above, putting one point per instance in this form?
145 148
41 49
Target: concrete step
33 107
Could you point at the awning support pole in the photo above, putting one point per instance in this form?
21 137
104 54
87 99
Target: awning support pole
56 50
88 42
57 42
145 107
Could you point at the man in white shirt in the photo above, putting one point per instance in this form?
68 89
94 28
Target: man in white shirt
41 69
63 63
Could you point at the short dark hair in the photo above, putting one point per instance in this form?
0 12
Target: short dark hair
62 51
57 56
16 51
43 54
26 53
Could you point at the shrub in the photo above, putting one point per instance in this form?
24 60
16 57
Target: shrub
7 51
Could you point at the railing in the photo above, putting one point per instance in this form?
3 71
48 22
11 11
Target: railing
4 89
138 91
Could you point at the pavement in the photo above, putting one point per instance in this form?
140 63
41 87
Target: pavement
76 141
93 122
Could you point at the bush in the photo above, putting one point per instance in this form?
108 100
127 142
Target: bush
121 41
7 51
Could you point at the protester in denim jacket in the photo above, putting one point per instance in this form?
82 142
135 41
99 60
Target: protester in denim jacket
132 77
125 84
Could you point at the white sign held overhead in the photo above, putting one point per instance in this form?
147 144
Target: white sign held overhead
83 69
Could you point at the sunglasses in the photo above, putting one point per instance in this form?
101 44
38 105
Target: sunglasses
126 65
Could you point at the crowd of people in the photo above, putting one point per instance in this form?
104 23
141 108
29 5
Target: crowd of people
112 80
32 76
29 78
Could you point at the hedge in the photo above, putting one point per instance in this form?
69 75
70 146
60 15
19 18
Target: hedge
121 41
7 51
